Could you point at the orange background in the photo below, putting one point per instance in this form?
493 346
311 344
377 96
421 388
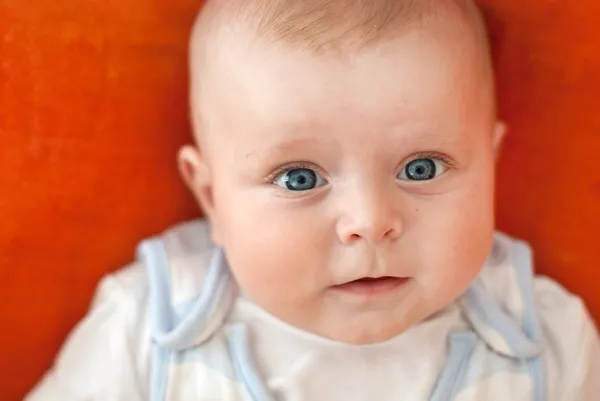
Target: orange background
93 109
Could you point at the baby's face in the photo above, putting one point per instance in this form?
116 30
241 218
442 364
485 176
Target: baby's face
326 172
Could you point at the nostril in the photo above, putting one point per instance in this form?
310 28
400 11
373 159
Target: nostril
354 237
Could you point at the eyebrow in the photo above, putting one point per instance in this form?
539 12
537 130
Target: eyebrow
283 148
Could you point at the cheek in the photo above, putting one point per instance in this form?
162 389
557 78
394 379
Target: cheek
275 253
461 230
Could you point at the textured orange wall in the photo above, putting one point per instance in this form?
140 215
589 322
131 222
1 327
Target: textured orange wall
93 108
548 68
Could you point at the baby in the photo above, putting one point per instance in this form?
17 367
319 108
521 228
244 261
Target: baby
345 162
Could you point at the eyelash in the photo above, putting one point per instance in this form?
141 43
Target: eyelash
271 178
435 156
449 163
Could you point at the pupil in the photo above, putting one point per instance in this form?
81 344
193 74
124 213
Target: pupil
301 179
421 170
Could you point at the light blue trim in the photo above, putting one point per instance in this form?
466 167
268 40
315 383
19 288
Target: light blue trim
488 311
536 370
166 336
461 349
215 288
243 365
160 364
522 260
155 259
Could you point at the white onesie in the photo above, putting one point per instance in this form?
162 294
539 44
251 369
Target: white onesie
174 326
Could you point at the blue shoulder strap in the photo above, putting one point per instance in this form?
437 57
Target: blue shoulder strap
207 313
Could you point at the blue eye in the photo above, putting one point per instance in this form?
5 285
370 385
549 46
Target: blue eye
422 170
300 179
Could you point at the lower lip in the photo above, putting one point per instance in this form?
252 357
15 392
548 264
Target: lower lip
378 286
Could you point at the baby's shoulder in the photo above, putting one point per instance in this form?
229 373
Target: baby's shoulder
551 319
190 286
185 250
108 351
154 300
570 340
510 277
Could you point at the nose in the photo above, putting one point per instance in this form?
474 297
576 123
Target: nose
369 215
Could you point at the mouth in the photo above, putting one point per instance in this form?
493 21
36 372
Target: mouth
372 285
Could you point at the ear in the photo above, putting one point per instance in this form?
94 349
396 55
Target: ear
500 130
196 175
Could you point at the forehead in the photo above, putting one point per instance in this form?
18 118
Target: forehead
423 78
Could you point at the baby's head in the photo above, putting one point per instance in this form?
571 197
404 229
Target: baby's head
340 141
